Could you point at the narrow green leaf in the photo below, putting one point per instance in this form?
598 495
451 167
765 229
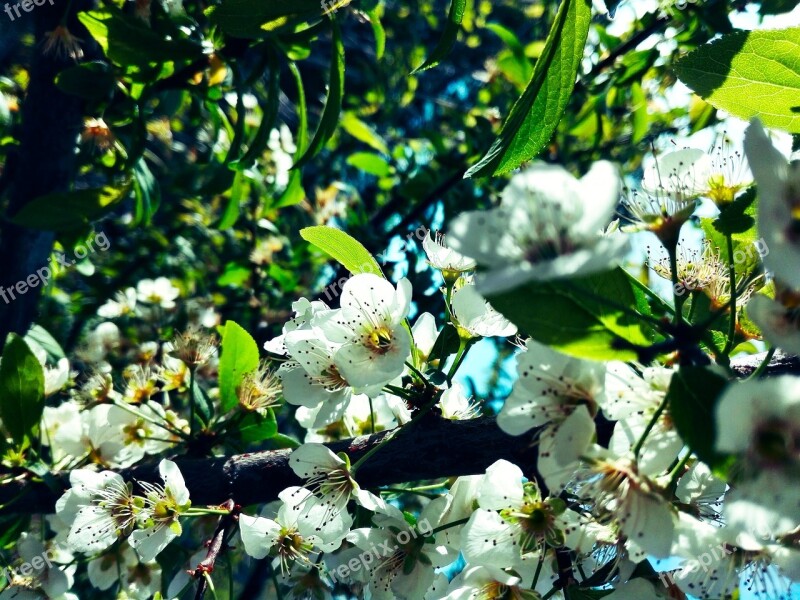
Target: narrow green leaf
333 103
347 251
239 357
738 71
449 36
231 213
294 192
147 192
378 31
364 133
21 389
204 407
535 116
68 211
371 163
268 118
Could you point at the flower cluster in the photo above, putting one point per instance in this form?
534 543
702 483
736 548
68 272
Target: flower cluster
632 448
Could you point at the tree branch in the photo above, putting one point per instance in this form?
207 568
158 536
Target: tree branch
432 449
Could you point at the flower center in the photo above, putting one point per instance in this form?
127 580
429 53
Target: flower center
775 444
380 339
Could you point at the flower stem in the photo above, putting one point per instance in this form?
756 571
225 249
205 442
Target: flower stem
449 525
191 403
732 274
462 347
649 428
764 364
678 471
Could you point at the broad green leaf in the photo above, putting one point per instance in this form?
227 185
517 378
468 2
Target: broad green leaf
333 103
21 389
257 428
234 274
127 41
449 36
749 74
535 116
581 317
364 133
239 357
91 81
693 396
368 162
348 252
68 211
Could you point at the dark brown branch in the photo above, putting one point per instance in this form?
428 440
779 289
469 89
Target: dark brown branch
215 547
432 449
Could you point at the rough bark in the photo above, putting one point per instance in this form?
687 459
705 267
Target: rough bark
432 449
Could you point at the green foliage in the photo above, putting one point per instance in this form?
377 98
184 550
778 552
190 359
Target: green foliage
348 252
534 117
239 357
255 427
737 71
333 103
69 211
693 396
21 390
129 42
590 317
449 36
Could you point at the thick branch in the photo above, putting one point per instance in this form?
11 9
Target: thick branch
432 449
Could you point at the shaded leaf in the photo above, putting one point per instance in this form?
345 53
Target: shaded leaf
21 389
449 36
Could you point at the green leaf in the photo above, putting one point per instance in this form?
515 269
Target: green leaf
68 211
21 389
257 428
91 80
147 193
268 117
127 41
370 163
749 73
535 116
231 213
449 36
239 357
345 250
736 217
364 133
378 31
581 317
693 396
258 18
235 275
333 103
294 192
11 527
40 336
204 407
